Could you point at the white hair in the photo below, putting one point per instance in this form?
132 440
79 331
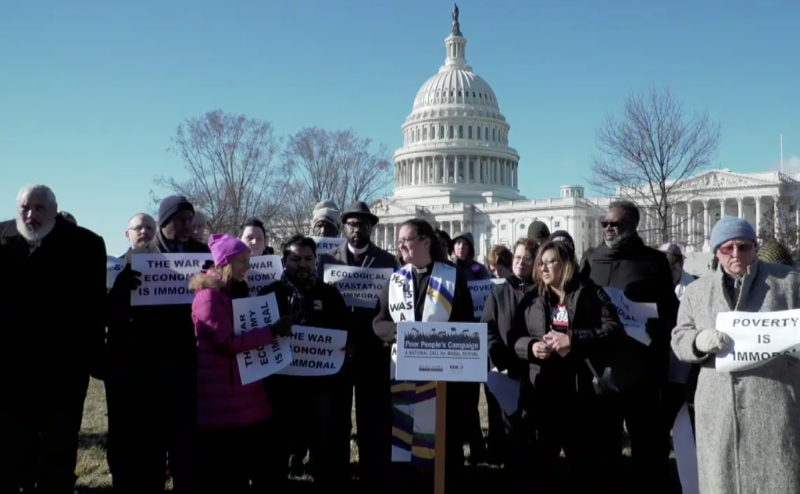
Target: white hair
31 190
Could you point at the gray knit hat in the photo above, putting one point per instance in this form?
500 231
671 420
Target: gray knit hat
731 228
326 211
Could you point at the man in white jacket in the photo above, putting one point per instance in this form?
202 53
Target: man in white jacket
682 432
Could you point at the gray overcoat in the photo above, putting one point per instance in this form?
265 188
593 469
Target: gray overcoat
748 422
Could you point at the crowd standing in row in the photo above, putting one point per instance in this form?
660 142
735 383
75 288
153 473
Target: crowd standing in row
177 406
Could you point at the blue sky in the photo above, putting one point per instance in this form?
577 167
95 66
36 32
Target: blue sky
91 91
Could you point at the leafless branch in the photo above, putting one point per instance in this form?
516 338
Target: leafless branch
230 160
647 154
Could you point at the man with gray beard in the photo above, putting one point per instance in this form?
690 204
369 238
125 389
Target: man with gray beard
52 293
140 234
623 261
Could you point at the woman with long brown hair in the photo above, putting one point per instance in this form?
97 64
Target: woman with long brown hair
559 328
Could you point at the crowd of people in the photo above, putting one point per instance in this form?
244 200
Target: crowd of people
177 407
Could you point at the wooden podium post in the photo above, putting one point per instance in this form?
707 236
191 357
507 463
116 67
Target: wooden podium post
441 437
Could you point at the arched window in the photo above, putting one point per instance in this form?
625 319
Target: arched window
441 132
451 132
486 133
418 133
433 132
460 131
469 132
425 133
493 134
479 132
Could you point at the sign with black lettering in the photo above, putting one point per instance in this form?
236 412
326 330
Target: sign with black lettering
328 245
480 291
360 287
264 270
442 351
633 315
315 351
114 267
253 313
758 337
165 277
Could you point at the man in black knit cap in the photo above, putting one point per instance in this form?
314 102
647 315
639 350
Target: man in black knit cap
151 379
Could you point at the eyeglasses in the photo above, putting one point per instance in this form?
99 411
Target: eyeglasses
610 224
403 241
549 263
526 260
739 247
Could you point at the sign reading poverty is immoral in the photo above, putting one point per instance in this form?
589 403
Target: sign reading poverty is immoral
165 277
264 270
480 291
360 287
758 337
315 351
327 245
442 351
252 313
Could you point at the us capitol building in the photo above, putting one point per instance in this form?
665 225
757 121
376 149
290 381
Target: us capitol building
457 170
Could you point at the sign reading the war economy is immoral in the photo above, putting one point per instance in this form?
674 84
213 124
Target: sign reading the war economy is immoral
441 351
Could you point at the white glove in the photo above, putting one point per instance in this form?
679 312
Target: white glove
713 341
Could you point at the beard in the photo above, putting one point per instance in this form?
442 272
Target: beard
34 236
619 240
146 248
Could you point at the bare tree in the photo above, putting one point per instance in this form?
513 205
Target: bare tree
336 165
233 174
647 154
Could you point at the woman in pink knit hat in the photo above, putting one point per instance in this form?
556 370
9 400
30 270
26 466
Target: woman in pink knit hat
232 418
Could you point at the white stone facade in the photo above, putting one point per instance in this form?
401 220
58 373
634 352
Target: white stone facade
457 171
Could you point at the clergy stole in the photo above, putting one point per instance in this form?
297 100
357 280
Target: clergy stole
414 403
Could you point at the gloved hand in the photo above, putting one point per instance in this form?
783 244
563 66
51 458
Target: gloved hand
127 279
713 341
654 329
207 265
282 327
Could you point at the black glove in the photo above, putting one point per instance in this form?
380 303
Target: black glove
282 327
655 330
207 265
127 280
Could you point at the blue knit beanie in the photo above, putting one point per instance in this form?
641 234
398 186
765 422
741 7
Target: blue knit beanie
730 228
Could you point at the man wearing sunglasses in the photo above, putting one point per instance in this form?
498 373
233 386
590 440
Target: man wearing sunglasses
623 261
748 426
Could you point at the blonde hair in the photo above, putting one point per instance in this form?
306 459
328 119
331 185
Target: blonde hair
567 262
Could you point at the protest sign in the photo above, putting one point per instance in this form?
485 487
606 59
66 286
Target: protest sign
504 389
441 351
633 315
315 351
257 312
360 287
480 291
758 337
165 277
114 267
264 270
328 245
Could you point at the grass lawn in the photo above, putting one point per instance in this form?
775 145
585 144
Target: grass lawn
94 476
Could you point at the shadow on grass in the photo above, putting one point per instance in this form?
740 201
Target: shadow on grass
87 440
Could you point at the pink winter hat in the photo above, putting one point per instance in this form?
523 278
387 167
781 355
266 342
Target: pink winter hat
224 248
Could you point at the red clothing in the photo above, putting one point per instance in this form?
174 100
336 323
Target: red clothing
222 400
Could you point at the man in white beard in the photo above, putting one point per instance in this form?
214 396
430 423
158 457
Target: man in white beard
51 297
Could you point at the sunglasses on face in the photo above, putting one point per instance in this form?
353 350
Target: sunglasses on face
739 247
610 224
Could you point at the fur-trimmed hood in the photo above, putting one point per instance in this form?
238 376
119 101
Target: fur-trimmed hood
207 280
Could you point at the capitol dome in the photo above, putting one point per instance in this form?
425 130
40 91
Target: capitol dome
455 146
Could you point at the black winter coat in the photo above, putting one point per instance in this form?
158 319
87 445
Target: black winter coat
644 275
594 327
498 314
365 345
51 300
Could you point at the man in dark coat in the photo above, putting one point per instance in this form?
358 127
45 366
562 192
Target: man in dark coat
371 357
311 409
51 298
644 274
151 381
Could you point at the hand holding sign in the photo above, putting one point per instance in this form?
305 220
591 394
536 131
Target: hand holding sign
282 327
713 341
757 338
